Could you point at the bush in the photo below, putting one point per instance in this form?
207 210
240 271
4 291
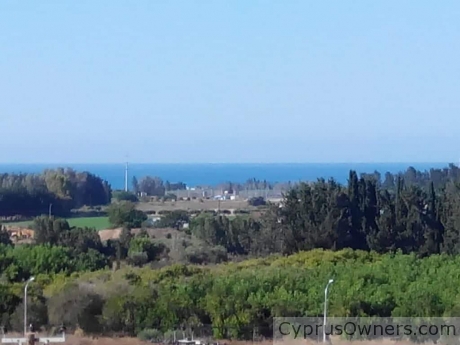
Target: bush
201 254
125 214
257 201
37 315
138 259
152 335
173 219
76 307
125 196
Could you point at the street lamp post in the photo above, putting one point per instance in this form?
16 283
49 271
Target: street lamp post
25 304
325 309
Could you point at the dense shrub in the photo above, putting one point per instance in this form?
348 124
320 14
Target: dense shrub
203 254
125 196
234 297
20 262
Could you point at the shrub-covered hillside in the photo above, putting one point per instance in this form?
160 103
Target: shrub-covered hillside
239 297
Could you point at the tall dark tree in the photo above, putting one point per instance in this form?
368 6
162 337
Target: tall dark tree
135 185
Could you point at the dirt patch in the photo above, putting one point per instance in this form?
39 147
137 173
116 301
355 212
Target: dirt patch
114 234
110 234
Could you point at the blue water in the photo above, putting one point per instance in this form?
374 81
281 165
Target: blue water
211 174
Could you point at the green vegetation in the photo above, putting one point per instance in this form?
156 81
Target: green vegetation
235 298
125 196
98 223
59 190
124 213
391 246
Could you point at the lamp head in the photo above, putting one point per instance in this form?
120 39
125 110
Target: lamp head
331 281
32 279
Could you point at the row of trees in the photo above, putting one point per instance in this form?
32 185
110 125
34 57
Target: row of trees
417 215
154 186
60 189
364 215
411 176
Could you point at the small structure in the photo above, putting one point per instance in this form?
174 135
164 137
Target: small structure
18 233
31 339
188 341
153 219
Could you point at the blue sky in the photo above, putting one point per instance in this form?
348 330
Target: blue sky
229 81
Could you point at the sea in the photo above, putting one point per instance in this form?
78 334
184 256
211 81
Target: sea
212 174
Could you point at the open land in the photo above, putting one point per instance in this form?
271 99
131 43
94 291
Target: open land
98 223
193 205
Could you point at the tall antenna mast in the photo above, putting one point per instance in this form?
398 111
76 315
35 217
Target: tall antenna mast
126 174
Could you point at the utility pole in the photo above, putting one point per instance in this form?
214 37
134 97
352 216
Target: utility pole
325 309
25 304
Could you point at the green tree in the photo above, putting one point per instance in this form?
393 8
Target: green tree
125 213
4 236
135 185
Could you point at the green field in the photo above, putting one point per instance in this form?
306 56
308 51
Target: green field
93 222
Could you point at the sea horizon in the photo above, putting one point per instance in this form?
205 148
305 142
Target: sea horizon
225 163
195 174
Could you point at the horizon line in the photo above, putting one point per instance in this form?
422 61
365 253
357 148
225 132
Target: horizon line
226 163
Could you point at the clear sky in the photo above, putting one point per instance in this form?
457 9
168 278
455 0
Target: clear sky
229 81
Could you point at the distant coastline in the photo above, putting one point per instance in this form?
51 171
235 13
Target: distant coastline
213 174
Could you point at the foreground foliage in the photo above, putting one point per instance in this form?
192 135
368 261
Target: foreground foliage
236 298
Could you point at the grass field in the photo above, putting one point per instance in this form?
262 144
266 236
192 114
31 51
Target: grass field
93 222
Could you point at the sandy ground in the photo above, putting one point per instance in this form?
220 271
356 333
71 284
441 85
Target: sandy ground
113 234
